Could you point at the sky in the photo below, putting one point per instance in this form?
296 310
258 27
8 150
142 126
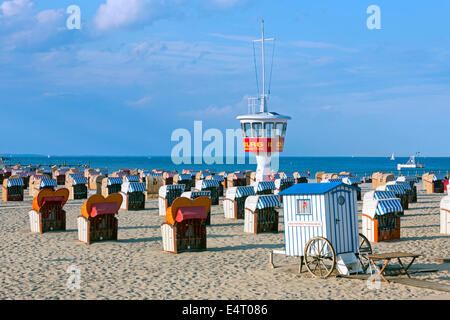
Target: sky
139 69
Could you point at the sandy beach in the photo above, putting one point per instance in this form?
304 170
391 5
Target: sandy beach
235 266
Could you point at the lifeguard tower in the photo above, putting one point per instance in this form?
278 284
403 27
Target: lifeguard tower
263 131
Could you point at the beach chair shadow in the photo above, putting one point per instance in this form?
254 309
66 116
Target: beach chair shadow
248 247
440 236
428 226
136 240
139 227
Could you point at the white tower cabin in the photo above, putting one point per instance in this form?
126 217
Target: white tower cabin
263 131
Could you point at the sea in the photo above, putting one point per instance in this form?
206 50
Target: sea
361 166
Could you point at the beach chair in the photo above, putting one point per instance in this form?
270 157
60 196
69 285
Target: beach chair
433 183
34 184
261 214
236 179
301 177
234 201
153 182
60 176
264 187
399 191
412 180
381 216
201 175
185 225
47 213
283 183
445 215
77 186
211 185
192 195
133 196
96 182
111 185
185 180
167 194
12 189
168 177
98 221
221 180
381 178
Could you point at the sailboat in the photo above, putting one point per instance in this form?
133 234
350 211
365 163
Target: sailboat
393 157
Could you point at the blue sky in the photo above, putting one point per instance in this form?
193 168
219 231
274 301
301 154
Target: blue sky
139 69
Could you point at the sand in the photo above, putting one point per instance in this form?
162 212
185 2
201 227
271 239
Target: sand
235 266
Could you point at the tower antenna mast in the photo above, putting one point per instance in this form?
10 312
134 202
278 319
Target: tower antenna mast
263 107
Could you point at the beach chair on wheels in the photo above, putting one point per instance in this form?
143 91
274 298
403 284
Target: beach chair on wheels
98 221
185 225
47 213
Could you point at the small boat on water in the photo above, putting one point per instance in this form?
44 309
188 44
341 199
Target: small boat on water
393 157
410 164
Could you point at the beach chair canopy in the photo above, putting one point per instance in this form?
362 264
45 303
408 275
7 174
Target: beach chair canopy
438 177
381 195
98 205
184 177
396 188
405 185
78 181
351 180
265 185
196 194
179 203
48 183
191 213
114 181
218 178
137 187
261 202
334 180
407 179
302 175
15 183
389 206
45 195
209 184
133 179
76 176
154 174
244 191
164 190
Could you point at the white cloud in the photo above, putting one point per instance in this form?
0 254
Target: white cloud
114 14
15 7
125 13
226 3
140 103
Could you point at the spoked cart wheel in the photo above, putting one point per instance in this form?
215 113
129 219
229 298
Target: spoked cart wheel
364 250
319 256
